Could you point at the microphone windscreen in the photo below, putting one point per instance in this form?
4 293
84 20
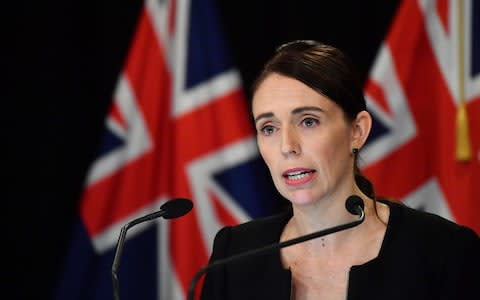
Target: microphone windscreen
353 203
176 208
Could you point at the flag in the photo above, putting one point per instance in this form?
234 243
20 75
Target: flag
178 127
424 94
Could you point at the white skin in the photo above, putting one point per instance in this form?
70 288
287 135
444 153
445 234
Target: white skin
304 134
300 130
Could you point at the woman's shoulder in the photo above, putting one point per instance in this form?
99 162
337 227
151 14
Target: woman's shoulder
427 226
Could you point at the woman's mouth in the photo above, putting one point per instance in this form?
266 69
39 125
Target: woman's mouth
298 177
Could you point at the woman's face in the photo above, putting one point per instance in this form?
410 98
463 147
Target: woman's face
304 139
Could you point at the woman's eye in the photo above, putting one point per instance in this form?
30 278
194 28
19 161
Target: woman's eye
267 130
309 122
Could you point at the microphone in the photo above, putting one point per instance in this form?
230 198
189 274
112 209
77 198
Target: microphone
354 205
169 210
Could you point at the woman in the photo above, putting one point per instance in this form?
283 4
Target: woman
311 121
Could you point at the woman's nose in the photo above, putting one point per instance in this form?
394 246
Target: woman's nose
290 144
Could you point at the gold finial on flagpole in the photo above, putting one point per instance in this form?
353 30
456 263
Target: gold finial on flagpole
463 149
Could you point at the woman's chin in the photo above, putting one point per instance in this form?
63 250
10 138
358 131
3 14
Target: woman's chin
301 197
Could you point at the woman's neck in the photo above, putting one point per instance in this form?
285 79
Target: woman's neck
326 214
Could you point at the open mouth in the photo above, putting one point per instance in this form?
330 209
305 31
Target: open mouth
298 175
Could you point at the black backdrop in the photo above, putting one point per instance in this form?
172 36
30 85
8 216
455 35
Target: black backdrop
60 64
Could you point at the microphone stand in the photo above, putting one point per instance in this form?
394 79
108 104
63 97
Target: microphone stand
267 248
121 241
169 210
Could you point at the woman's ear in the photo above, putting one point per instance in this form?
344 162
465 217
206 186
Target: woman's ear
361 127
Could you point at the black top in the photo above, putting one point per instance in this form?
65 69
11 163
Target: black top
423 256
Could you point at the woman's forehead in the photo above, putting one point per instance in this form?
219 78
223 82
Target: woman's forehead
282 92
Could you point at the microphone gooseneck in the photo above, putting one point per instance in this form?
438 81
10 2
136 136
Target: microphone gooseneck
354 205
169 210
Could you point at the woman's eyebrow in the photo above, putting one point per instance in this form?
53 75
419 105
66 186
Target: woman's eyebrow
303 109
263 115
297 110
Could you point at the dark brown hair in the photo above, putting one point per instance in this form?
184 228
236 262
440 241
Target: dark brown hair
328 71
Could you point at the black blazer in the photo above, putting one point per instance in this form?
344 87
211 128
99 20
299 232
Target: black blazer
423 256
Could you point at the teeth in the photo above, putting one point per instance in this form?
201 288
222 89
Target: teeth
297 175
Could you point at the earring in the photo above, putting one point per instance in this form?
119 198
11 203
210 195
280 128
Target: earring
355 150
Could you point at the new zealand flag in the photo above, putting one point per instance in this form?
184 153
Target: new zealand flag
424 92
178 127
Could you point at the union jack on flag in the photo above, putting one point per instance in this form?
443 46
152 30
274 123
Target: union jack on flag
424 94
178 127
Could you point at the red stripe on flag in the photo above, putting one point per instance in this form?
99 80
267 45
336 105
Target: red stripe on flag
187 248
172 16
222 213
117 116
113 198
376 92
211 127
442 9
